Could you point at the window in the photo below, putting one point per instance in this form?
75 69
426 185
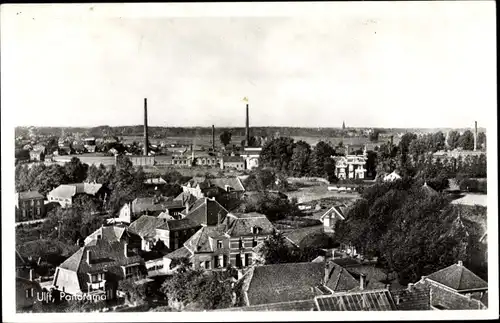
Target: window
240 243
38 211
247 259
99 237
96 278
207 264
254 242
219 244
131 271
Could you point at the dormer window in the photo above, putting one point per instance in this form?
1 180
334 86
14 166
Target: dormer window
219 244
256 230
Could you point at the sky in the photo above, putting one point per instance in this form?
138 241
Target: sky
388 65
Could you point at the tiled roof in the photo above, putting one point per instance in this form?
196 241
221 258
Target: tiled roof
417 299
146 225
458 278
232 182
472 199
306 305
201 240
241 224
337 210
108 233
186 197
426 189
283 282
70 190
308 236
151 204
179 253
28 195
206 211
377 300
104 255
181 224
340 280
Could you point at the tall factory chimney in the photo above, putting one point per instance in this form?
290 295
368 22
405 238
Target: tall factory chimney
146 127
475 135
247 130
213 138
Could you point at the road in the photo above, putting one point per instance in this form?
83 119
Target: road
30 222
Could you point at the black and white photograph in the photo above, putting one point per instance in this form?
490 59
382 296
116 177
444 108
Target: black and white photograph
164 160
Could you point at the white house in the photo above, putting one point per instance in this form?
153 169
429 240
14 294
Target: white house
392 177
332 215
251 156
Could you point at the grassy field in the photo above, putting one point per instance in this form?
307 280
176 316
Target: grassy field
318 192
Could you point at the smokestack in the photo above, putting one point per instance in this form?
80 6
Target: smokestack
31 274
88 257
125 249
475 135
213 138
247 130
145 127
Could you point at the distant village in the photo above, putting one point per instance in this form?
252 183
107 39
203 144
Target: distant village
268 224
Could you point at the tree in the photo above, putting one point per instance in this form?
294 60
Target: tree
76 171
225 138
277 153
481 139
299 164
134 294
466 140
321 162
276 250
453 139
374 135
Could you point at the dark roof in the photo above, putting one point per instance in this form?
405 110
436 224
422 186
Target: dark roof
417 299
152 204
108 233
146 225
241 224
306 305
340 280
181 224
308 236
376 300
28 195
200 241
206 211
179 253
458 278
346 262
232 182
186 197
283 282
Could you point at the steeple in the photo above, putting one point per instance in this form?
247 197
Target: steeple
343 125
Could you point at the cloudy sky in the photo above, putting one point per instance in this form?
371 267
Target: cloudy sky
396 65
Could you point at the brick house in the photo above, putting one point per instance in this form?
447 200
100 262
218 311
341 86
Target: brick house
210 187
114 233
232 241
97 269
29 206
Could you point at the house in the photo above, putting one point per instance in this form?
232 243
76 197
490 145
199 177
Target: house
145 205
350 167
145 228
186 198
29 206
174 233
251 156
234 162
205 211
303 306
313 236
89 144
37 155
455 287
64 194
209 187
394 176
205 160
95 270
114 233
231 241
332 215
155 181
411 298
182 160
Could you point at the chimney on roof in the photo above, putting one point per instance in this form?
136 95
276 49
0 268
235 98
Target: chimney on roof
88 257
388 286
362 283
186 205
125 249
145 127
328 269
475 135
31 274
460 263
410 287
397 300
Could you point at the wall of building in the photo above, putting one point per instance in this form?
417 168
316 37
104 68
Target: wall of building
142 160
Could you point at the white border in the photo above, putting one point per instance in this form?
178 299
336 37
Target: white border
92 11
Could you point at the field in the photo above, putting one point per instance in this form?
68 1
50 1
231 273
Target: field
91 159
